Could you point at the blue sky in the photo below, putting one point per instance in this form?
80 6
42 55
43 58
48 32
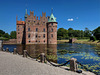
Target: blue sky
76 14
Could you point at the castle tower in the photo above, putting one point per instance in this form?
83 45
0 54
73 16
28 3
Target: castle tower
52 30
20 32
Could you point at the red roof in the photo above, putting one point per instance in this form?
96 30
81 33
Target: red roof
20 22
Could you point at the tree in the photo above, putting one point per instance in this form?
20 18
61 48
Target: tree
13 35
6 35
1 33
70 32
62 33
96 33
87 32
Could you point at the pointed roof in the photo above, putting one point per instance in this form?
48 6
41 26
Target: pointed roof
52 18
25 14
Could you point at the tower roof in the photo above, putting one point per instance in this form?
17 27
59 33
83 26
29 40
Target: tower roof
25 14
52 18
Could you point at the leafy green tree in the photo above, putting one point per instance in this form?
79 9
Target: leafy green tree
70 32
6 35
62 33
82 33
87 32
13 35
1 33
96 33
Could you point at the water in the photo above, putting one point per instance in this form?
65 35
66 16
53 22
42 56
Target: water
89 55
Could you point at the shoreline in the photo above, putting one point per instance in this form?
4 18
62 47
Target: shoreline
80 41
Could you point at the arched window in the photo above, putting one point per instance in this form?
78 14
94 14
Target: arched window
29 41
52 35
28 29
44 30
43 35
36 29
52 24
36 35
29 35
51 29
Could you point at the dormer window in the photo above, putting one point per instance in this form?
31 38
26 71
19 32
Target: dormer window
51 18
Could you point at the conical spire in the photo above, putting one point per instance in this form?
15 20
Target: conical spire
26 12
25 15
52 18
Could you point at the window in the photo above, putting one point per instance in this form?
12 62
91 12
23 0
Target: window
28 29
43 35
34 21
18 26
38 23
51 18
18 33
44 40
18 29
36 35
44 30
52 24
28 20
29 35
36 40
51 29
29 41
36 29
52 35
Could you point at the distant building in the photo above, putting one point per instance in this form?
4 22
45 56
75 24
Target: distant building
35 31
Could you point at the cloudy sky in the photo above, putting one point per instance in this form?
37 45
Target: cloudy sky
76 14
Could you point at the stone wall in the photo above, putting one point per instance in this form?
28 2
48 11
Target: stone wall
72 40
10 41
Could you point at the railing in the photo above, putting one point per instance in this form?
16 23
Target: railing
73 62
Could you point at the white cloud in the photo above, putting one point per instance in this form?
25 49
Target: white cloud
70 19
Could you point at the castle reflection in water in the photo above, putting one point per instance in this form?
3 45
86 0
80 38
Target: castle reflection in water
36 49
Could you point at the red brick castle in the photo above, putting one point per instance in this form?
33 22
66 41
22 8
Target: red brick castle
35 31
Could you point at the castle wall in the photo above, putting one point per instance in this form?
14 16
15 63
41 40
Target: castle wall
35 31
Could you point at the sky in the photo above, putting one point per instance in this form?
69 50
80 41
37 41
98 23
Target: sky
76 14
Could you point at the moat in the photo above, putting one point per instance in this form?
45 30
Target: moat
89 55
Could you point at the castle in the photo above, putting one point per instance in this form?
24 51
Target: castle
35 31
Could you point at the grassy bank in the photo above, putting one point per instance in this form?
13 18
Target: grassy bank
82 41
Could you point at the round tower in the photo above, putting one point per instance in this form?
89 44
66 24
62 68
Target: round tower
52 30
